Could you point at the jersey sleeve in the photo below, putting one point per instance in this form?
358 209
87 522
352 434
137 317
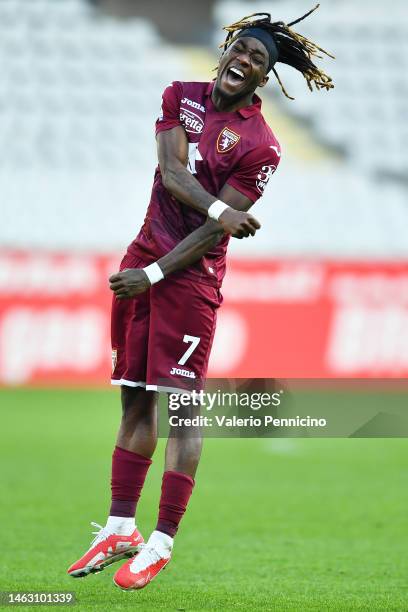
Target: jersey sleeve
254 169
169 116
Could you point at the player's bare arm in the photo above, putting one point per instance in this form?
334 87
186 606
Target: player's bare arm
172 149
130 282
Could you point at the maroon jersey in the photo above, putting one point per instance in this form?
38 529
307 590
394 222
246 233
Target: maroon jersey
237 148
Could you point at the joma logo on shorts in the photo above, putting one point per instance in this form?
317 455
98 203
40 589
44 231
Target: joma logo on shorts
185 373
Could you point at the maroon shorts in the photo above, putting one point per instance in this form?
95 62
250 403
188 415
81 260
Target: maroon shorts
161 339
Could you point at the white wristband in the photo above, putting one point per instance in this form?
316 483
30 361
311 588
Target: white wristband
154 273
216 209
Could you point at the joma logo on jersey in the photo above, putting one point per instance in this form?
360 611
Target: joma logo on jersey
180 372
192 122
263 177
227 139
193 104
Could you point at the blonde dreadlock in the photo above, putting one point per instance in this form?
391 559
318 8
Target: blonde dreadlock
294 49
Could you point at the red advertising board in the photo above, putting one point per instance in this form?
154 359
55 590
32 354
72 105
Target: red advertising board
280 318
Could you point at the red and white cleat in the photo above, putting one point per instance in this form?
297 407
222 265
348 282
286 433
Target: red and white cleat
154 556
106 548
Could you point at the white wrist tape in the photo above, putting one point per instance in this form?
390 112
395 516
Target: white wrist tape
154 273
216 209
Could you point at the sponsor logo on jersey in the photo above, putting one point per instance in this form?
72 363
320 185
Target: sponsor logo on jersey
191 121
180 372
193 104
263 177
227 139
114 359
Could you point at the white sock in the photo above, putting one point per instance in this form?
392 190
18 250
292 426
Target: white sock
122 525
161 540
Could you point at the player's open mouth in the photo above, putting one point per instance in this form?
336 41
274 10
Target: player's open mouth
235 75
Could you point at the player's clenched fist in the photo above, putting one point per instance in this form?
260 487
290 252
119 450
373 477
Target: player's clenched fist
238 223
129 282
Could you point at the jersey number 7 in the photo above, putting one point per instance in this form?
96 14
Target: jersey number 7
195 341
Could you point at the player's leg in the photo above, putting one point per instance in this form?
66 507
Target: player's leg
191 326
138 427
184 444
183 452
136 438
131 459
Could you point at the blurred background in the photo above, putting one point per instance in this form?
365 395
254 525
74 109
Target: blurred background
323 289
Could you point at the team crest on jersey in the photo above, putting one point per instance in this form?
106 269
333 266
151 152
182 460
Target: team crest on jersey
227 139
114 359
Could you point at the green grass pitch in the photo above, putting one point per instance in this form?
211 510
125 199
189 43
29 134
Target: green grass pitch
318 524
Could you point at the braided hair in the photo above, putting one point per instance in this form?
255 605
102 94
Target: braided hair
294 49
